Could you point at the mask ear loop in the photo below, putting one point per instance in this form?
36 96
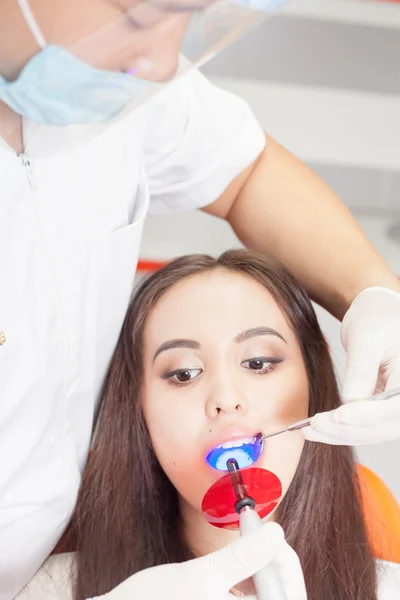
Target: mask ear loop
32 23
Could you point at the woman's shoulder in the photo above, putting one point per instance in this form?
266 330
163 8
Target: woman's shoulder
388 580
53 581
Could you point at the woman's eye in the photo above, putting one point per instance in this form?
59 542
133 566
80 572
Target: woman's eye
182 376
260 365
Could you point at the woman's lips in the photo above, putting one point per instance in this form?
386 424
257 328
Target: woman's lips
230 434
241 444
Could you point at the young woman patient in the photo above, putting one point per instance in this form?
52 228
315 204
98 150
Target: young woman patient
214 351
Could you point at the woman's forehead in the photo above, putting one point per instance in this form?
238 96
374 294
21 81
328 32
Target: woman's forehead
218 302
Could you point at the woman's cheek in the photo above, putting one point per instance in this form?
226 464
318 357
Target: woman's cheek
187 472
166 445
173 444
287 401
181 459
282 455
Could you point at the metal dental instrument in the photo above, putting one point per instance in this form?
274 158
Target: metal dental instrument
267 581
294 427
306 422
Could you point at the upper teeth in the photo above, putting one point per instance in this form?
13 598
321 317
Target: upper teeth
237 443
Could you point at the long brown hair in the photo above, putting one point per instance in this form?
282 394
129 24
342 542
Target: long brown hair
127 515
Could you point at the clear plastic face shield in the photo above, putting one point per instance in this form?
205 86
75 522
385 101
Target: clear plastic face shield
82 64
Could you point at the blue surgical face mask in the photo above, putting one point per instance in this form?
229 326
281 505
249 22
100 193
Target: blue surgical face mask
56 88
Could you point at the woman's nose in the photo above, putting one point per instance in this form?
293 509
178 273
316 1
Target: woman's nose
226 401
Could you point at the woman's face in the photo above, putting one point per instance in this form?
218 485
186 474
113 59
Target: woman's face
220 365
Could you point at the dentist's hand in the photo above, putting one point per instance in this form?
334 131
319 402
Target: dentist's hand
371 337
213 576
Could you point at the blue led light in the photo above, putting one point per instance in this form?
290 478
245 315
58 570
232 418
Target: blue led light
245 455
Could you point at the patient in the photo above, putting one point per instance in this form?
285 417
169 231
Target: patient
211 351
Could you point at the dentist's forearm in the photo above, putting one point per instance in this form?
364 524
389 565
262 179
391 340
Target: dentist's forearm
287 212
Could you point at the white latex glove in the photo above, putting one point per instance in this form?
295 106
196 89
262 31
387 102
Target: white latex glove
371 337
212 576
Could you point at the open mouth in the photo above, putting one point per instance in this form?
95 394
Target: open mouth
245 451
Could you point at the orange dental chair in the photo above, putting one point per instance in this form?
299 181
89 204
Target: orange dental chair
381 514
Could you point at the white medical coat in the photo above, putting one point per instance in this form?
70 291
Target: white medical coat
70 230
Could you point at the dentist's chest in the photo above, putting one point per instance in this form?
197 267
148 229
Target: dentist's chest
71 230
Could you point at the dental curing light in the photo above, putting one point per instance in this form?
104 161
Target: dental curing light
242 499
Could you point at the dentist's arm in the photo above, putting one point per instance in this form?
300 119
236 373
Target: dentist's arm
281 208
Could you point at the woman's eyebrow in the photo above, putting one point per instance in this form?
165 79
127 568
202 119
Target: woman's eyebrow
255 332
176 344
241 337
